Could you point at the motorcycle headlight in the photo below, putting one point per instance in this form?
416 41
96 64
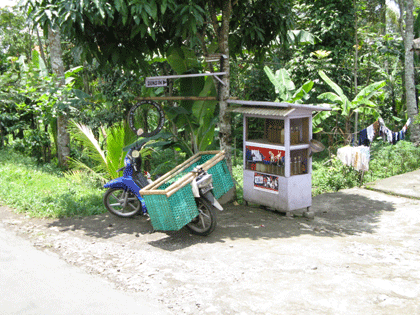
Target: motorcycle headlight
205 181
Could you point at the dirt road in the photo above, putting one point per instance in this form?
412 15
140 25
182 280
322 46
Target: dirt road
360 255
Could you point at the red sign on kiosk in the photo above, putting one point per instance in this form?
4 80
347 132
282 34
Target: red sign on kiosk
259 154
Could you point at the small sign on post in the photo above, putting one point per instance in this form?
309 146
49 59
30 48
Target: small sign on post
156 82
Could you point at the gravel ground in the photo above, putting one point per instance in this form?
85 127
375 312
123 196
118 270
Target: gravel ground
360 255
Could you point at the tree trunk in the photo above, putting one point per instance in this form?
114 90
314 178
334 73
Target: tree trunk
356 58
63 137
41 49
225 132
410 89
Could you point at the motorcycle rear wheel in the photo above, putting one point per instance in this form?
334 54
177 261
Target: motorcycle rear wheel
205 222
114 199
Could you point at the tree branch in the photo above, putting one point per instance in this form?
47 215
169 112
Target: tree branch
213 17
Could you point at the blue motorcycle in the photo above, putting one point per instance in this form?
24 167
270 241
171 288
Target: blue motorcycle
123 195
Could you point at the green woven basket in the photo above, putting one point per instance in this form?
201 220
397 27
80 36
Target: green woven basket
222 179
173 212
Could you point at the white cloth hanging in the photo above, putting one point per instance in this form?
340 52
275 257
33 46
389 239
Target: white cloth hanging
370 133
357 157
345 155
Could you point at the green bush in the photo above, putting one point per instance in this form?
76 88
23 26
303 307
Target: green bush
36 143
330 174
43 191
237 175
390 160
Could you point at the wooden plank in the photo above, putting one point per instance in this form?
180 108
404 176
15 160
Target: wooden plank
152 192
192 75
175 171
180 183
187 178
177 98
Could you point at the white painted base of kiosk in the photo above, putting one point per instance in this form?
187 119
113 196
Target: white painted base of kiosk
293 192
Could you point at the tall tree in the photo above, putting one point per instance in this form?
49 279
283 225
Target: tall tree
56 57
332 22
224 89
44 13
406 10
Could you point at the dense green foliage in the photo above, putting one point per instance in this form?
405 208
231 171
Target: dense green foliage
14 40
126 32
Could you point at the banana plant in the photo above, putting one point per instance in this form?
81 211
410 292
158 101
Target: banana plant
341 105
195 120
285 87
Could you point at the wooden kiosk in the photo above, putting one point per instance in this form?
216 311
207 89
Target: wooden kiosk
277 154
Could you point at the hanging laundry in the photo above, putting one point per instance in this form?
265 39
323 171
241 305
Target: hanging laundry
365 153
363 137
389 136
361 158
345 155
383 133
370 133
357 157
376 126
366 136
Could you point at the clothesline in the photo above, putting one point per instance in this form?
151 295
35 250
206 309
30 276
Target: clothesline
367 135
358 157
352 133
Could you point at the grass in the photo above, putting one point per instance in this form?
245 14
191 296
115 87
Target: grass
43 190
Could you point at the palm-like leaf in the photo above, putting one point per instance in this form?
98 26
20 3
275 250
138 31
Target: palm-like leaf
332 97
370 91
333 85
302 92
345 103
85 135
106 162
281 81
114 154
318 119
117 138
80 165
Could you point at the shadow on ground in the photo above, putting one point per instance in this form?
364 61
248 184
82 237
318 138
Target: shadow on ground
337 214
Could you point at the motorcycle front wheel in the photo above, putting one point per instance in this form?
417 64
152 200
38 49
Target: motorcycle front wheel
122 203
205 222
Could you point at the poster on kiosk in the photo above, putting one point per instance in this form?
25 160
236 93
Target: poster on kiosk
266 162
